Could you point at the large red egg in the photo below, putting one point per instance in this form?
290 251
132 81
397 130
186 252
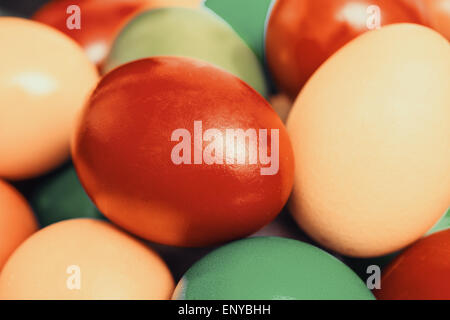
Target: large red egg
301 35
99 20
421 272
153 151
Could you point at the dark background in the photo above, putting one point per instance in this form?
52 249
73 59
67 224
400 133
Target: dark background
23 8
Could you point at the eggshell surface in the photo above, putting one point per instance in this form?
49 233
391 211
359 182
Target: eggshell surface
124 146
84 259
45 78
191 33
372 143
270 268
422 272
17 221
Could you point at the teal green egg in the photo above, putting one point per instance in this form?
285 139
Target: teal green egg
195 33
60 196
442 224
270 268
247 17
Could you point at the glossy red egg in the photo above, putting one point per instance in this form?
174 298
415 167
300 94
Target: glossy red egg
301 35
127 153
422 272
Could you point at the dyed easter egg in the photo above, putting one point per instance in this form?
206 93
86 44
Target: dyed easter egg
301 35
84 259
421 272
94 23
45 78
17 221
270 268
60 196
195 33
180 152
247 18
373 153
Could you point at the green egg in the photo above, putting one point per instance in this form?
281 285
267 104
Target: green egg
195 33
60 196
442 224
270 268
247 17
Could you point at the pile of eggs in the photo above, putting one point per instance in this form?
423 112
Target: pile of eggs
246 149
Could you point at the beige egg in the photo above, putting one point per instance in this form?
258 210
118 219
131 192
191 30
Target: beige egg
371 137
45 78
84 259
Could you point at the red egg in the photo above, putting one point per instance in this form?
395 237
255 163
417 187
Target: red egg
422 272
99 21
156 150
301 35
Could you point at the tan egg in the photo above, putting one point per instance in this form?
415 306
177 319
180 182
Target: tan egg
45 78
84 259
371 138
17 221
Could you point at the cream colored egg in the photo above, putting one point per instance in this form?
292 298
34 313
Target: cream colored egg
371 137
45 78
84 259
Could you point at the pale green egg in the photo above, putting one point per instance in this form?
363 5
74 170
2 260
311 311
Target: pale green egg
195 33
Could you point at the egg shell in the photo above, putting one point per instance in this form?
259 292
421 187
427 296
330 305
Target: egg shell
270 268
17 221
421 272
45 78
111 265
195 33
247 18
123 151
372 143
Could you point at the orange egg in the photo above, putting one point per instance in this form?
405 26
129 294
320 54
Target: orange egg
45 78
17 221
370 132
84 259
